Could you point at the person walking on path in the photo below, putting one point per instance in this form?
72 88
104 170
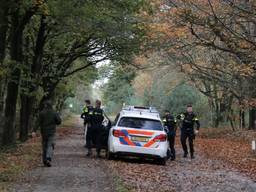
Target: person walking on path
47 121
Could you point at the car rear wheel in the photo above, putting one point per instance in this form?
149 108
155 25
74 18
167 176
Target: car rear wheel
110 155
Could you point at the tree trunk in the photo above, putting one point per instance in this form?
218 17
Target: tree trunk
3 29
16 35
231 119
217 114
252 118
242 118
25 117
9 134
28 101
3 41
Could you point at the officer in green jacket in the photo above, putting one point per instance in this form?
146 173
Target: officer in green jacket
47 121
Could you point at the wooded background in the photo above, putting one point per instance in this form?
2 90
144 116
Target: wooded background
165 53
200 52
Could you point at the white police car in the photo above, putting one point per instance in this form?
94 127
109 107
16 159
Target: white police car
138 131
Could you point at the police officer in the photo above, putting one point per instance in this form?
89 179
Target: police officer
87 115
97 119
87 112
188 119
47 121
170 124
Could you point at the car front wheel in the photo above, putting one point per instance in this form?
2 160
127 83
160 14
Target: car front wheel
161 161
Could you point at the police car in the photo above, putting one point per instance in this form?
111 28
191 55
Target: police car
138 131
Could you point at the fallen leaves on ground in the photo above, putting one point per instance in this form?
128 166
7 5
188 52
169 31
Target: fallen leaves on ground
218 163
14 161
233 147
236 154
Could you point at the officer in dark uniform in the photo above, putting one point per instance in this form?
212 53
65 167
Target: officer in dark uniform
97 119
87 112
47 121
188 119
170 124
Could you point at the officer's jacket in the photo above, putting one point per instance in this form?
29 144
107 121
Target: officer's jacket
87 113
97 118
48 119
188 121
170 123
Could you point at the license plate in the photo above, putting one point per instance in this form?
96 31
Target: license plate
140 139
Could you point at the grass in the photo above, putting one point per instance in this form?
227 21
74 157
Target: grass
69 121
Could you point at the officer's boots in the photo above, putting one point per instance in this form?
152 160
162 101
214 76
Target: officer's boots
192 156
47 163
89 153
98 153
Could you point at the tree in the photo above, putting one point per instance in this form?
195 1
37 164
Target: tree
60 39
213 44
20 17
118 89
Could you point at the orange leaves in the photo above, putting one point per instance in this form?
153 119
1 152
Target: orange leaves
39 2
156 28
140 60
214 165
237 153
249 102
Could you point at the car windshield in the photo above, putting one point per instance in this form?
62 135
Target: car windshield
140 123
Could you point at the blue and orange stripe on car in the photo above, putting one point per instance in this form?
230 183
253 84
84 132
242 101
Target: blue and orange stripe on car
126 141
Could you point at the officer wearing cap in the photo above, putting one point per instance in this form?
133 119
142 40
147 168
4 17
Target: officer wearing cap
170 125
188 120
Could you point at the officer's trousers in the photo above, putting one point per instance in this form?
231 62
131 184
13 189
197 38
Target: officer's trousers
85 130
48 144
98 138
171 139
190 136
93 138
89 137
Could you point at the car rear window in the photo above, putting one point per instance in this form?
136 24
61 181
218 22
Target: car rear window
140 123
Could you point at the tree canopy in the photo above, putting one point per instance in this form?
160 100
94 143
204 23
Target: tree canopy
44 43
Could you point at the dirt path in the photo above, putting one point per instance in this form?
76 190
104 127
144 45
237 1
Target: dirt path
72 171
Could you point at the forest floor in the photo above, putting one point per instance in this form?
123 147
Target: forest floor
223 163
